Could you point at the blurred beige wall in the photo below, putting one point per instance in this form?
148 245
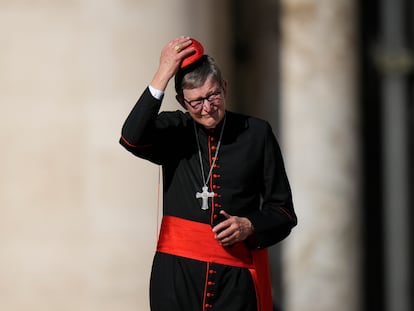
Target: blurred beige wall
77 212
320 122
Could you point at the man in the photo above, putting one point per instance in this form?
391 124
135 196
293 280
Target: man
226 194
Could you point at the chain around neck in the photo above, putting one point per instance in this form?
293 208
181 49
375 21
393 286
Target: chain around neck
205 181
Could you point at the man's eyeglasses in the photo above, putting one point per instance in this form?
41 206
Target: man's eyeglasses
198 103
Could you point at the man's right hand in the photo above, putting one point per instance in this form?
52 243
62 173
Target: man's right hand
170 60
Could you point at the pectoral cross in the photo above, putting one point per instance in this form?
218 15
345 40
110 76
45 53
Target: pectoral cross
204 196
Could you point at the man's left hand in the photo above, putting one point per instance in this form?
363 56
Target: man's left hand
232 230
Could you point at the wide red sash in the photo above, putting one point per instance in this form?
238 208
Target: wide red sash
194 240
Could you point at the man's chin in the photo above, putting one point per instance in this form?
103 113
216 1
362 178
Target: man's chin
209 125
208 122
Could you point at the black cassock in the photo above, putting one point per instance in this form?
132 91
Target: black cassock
248 180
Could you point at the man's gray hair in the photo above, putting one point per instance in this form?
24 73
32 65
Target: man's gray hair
196 74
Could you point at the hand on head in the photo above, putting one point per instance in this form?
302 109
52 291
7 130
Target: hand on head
171 58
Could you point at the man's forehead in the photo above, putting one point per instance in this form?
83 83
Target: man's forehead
209 85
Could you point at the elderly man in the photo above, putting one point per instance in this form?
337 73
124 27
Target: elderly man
226 194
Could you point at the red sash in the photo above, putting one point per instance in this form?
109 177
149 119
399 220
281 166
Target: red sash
194 240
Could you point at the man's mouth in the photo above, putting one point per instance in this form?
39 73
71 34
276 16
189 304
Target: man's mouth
209 115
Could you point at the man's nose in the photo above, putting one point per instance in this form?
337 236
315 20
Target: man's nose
206 105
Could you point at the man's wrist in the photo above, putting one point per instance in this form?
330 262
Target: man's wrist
156 93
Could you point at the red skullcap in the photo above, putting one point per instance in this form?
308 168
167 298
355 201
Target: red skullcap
199 51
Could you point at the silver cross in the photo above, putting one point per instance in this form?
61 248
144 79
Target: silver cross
204 196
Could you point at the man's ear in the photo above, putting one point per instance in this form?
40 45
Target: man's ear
224 86
180 99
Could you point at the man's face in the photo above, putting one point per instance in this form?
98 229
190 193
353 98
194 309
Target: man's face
206 104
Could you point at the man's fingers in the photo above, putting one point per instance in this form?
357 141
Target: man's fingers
223 212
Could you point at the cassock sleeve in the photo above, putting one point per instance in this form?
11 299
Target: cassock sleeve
142 132
276 217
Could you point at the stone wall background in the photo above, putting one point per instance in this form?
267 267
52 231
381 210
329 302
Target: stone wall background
77 213
321 122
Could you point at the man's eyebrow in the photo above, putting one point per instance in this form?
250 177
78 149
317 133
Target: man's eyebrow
207 95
